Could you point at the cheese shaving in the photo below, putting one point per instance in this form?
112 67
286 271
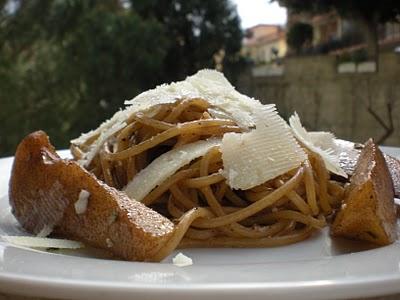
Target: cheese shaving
86 160
322 139
165 166
181 260
264 153
46 230
268 151
40 242
103 127
331 161
82 202
209 85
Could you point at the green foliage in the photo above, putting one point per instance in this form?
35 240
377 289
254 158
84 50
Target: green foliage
66 65
197 29
299 35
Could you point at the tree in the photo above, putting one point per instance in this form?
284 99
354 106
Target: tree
299 35
72 67
368 14
65 66
197 30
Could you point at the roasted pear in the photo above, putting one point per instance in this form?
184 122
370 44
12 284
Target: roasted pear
45 188
368 211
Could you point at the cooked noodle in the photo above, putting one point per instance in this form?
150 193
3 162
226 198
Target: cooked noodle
207 212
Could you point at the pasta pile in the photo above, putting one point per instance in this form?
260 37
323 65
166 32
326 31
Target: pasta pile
207 212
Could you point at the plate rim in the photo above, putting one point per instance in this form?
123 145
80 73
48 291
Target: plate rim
325 289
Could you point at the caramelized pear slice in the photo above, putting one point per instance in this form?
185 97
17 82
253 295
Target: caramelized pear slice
368 211
44 189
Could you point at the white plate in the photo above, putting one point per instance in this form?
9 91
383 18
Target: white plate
318 268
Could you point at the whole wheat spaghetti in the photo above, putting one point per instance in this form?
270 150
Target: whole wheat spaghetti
206 210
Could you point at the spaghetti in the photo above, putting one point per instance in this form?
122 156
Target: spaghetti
207 212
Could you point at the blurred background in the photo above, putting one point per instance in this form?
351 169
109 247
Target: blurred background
67 65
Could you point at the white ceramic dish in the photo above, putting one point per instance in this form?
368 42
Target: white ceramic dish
318 268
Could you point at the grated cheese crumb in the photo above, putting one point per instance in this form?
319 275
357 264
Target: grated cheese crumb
81 204
109 243
181 260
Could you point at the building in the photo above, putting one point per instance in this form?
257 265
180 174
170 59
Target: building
335 35
264 43
326 27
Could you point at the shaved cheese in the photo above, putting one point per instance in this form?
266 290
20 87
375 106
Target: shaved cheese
344 152
117 118
104 136
40 242
261 159
181 260
217 113
331 161
46 230
255 157
209 85
166 165
81 204
322 139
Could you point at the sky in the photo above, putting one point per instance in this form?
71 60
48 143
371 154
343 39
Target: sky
253 12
